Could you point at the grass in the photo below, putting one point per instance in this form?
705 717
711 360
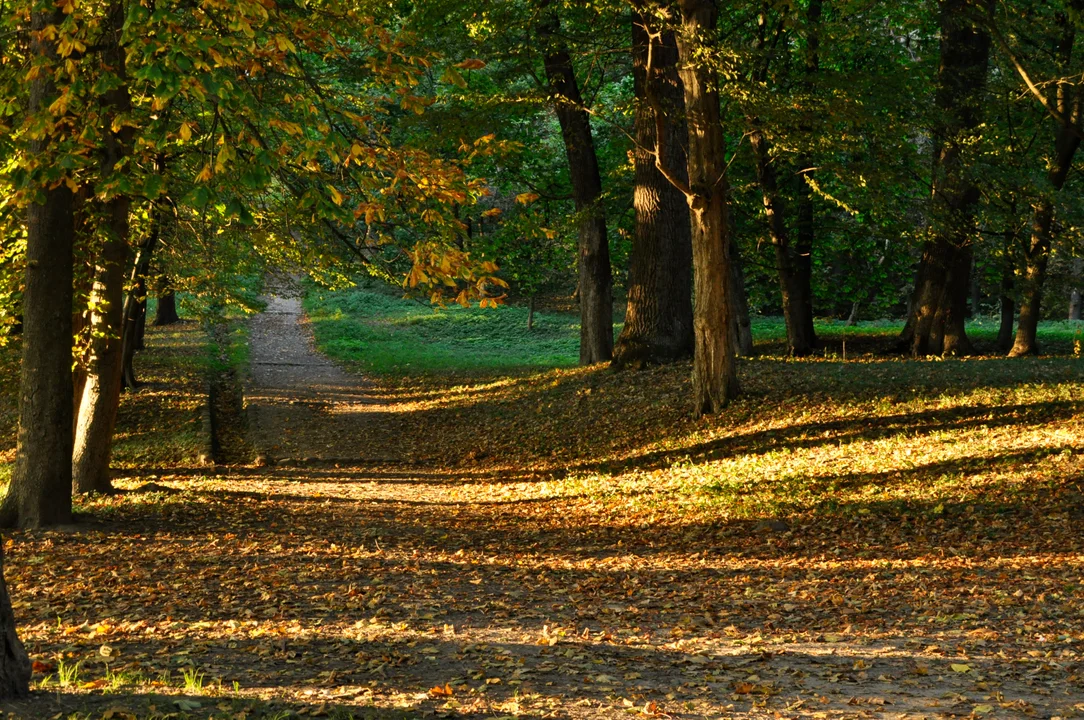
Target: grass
379 331
384 333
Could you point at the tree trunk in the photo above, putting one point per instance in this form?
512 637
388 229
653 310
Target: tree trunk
659 318
40 489
1069 98
939 305
15 669
976 290
101 395
1008 306
595 274
1076 300
795 292
743 326
166 312
715 380
135 307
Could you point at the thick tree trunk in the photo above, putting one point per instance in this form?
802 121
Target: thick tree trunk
595 274
101 395
15 669
794 290
939 304
1076 298
715 379
40 489
659 318
166 312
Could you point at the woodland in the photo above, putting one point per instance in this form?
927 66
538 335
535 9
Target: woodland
541 358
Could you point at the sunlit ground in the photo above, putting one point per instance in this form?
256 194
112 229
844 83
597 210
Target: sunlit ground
872 537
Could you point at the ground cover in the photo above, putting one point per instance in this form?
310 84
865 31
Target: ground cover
862 538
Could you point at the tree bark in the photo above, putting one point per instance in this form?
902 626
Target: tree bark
939 305
715 380
659 318
101 394
595 274
166 312
1008 305
135 307
40 489
15 668
1069 98
794 288
743 326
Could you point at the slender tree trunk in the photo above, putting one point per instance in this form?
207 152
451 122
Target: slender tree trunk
595 274
40 490
1069 99
101 395
939 305
659 318
1076 299
793 289
166 312
976 290
1008 306
743 326
715 380
135 307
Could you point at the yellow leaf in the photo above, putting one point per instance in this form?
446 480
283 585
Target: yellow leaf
960 667
336 196
186 132
492 212
983 709
526 198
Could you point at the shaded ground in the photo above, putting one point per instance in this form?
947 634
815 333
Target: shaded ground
874 539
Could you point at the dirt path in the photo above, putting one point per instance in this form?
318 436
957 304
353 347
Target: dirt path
300 406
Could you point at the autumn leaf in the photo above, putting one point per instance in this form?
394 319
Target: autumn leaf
442 691
471 64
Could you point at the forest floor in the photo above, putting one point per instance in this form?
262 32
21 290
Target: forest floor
863 538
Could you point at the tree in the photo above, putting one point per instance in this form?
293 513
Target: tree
715 378
659 318
595 278
1065 103
935 324
40 489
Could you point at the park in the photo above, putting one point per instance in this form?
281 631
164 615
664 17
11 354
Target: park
541 359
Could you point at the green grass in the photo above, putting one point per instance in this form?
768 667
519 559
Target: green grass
388 334
380 331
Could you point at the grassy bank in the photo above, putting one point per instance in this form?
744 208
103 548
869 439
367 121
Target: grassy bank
377 330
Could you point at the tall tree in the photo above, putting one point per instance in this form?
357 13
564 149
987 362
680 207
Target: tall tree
101 392
659 317
1066 103
935 324
715 377
595 274
40 489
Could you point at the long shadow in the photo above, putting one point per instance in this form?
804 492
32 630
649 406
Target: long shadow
834 432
